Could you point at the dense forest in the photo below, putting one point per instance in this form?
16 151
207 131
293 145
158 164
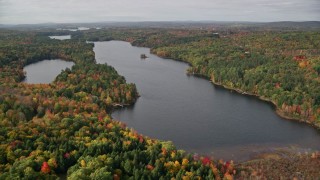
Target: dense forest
282 67
64 128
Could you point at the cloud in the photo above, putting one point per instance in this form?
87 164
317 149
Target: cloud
39 11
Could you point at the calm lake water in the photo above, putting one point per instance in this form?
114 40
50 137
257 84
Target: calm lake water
45 71
61 37
196 115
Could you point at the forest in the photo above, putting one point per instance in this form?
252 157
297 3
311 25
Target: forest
64 129
281 67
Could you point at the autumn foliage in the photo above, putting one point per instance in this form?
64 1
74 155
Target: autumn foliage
65 127
45 168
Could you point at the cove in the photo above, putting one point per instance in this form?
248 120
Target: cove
45 71
196 115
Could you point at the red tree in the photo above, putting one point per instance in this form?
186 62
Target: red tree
45 168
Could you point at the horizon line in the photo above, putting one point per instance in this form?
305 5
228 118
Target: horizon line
160 21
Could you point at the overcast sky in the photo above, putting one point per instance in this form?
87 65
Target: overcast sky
65 11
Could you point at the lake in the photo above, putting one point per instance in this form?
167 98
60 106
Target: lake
64 37
45 71
196 115
74 29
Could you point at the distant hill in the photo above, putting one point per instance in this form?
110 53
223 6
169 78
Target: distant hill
243 25
297 25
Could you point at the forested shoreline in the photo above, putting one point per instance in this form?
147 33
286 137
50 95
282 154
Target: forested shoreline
65 127
280 67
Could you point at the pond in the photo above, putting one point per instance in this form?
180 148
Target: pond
196 115
45 71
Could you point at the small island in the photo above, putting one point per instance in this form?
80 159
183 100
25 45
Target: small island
143 56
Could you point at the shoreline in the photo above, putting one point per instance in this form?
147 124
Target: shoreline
241 92
278 111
